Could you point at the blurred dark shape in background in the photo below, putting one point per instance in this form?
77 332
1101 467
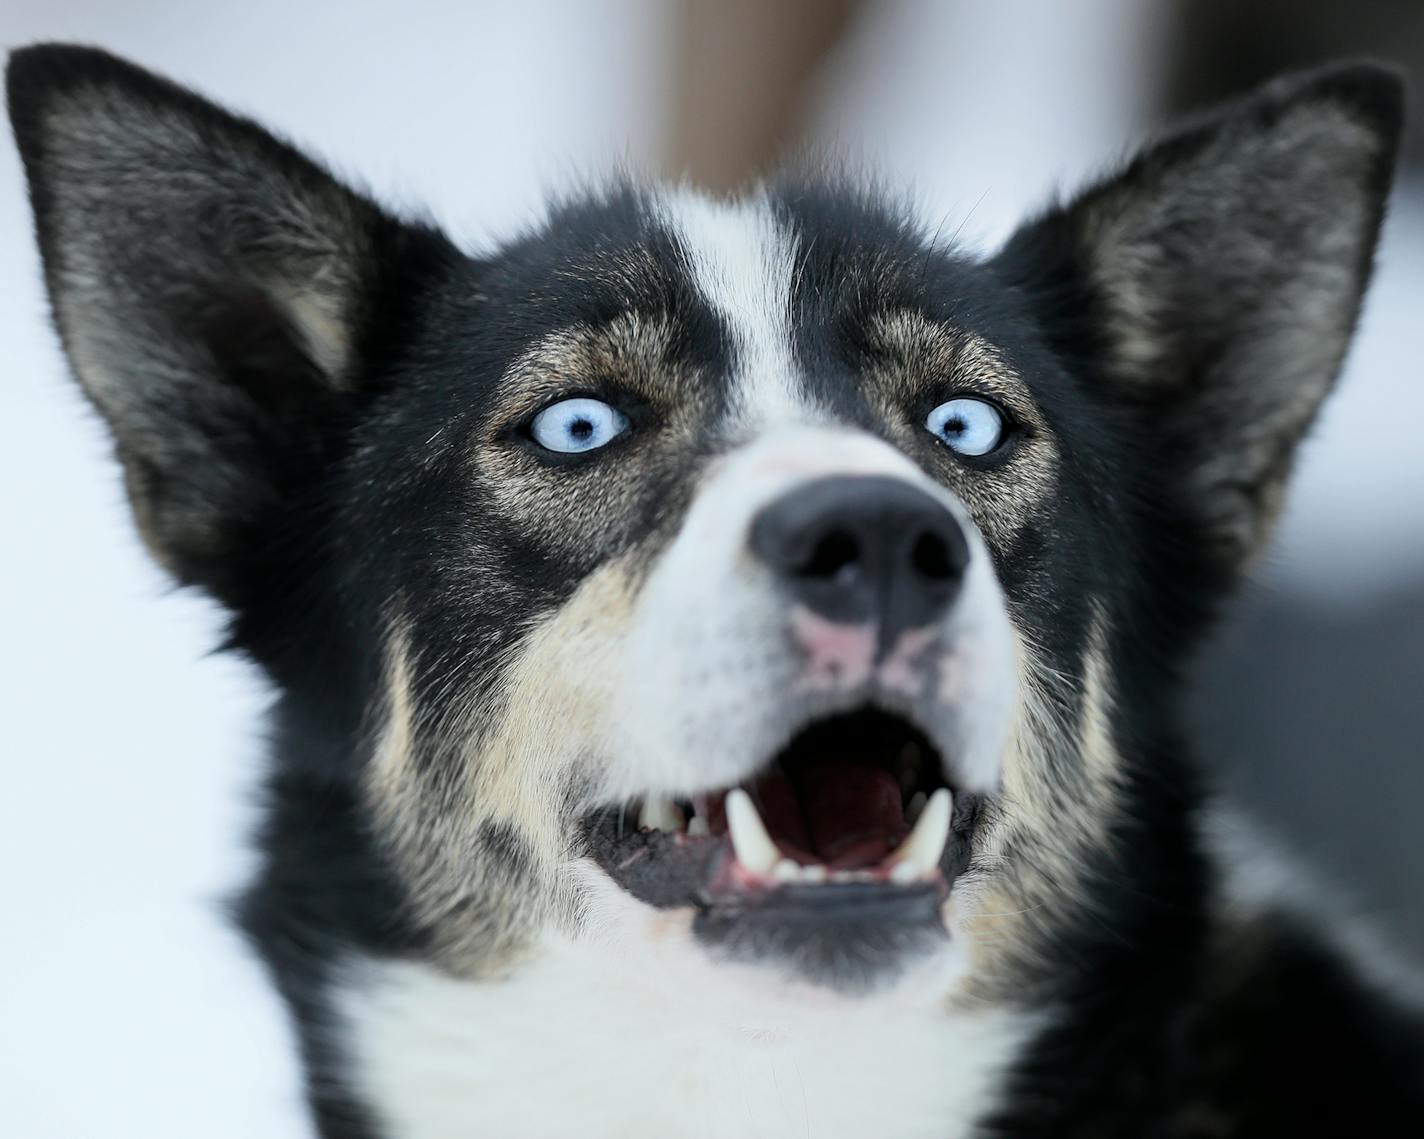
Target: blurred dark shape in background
1219 47
1312 709
1310 713
1310 705
744 76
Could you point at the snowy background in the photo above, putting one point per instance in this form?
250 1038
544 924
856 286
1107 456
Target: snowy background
127 1008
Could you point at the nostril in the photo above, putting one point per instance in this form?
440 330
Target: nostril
930 556
830 557
855 548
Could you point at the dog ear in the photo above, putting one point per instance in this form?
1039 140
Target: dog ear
211 287
1215 282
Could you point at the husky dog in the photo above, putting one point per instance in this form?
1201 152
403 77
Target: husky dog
729 650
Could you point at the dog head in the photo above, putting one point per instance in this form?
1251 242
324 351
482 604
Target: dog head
756 583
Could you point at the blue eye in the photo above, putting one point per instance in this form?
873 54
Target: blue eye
574 425
968 426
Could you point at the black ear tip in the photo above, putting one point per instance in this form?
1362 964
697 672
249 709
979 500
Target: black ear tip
40 68
36 74
1372 89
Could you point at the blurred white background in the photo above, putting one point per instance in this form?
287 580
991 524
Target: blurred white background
127 1007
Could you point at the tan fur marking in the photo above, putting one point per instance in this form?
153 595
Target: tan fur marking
1059 798
432 784
640 353
556 695
638 350
1100 757
924 361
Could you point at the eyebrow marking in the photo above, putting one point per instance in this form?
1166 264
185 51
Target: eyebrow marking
925 351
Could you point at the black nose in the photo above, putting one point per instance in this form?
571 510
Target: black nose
857 548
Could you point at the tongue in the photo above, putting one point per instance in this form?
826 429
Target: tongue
780 810
852 812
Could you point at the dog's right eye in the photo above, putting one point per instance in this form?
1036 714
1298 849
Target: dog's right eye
574 425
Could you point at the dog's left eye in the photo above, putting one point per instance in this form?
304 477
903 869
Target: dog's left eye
969 426
574 425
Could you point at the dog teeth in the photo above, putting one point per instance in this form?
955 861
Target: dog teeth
917 858
753 846
660 814
925 846
853 876
786 870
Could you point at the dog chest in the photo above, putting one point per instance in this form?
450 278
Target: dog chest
569 1048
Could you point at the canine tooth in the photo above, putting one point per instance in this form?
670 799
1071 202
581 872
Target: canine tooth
916 805
753 846
786 871
903 873
660 814
926 842
697 827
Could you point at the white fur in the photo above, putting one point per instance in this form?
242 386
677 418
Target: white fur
704 687
622 1036
742 262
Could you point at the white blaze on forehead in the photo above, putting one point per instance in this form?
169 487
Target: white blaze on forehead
742 262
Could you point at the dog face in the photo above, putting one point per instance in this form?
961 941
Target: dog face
756 584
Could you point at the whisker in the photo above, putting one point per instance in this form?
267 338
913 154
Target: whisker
1009 913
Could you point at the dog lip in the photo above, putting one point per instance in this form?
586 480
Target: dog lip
657 867
827 908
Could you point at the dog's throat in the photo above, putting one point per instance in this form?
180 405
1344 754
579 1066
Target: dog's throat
836 810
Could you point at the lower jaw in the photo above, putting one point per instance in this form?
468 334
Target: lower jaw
853 939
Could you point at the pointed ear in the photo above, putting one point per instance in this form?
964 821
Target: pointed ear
215 292
1213 285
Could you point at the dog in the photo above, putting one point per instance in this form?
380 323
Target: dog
729 651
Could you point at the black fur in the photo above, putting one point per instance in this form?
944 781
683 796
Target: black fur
1175 328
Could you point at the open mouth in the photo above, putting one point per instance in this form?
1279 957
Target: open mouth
856 809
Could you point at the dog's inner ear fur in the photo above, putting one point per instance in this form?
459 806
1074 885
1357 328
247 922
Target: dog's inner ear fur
208 283
1214 285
